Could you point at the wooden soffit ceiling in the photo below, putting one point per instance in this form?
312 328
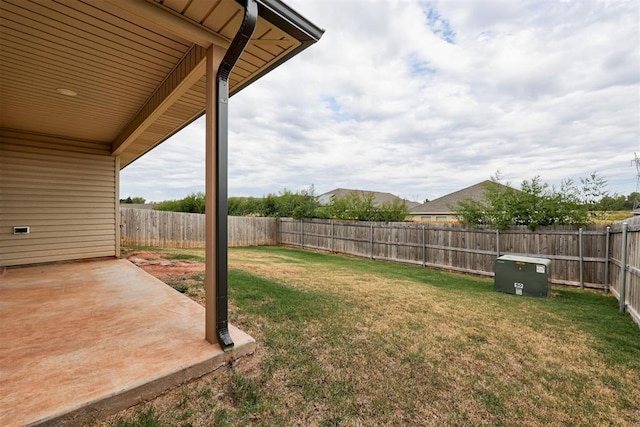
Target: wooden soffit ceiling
134 69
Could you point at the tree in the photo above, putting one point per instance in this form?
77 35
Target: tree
617 202
306 205
593 188
356 206
301 204
193 203
612 203
592 191
244 206
535 204
133 200
394 211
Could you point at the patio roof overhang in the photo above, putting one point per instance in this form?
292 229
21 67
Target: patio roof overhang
129 73
91 79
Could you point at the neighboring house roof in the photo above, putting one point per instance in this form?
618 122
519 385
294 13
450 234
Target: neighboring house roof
444 204
411 204
379 198
129 73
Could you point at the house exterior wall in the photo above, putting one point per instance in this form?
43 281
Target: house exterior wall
442 218
65 191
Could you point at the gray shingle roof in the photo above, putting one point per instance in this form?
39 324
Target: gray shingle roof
444 204
379 198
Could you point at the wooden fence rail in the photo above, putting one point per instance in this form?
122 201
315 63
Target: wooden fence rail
145 227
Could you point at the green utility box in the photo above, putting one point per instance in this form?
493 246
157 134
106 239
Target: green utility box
520 275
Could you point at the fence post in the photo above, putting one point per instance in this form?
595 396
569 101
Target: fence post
606 262
302 233
623 271
278 231
580 255
371 240
331 221
497 243
424 247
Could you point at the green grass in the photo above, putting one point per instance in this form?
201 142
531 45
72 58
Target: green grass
345 341
143 418
169 253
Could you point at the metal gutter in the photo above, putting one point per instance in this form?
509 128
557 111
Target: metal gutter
290 21
230 58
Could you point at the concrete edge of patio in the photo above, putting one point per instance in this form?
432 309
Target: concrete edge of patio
109 405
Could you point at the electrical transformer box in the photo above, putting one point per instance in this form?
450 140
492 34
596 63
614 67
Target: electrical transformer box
520 275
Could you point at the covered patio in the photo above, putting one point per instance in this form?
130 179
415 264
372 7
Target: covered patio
83 340
87 88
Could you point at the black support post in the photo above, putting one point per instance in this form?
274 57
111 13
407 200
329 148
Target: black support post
236 48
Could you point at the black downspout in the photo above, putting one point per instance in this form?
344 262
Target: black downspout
236 48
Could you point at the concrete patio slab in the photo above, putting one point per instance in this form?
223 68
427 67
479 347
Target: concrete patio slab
80 341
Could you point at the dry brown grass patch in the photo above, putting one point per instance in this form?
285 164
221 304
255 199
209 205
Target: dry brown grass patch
372 346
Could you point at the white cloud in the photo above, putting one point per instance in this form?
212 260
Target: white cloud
422 98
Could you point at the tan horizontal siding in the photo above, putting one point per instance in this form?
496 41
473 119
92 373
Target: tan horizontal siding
54 181
54 211
62 230
60 255
52 224
64 190
56 205
52 244
22 160
34 173
22 151
56 172
46 215
54 195
20 138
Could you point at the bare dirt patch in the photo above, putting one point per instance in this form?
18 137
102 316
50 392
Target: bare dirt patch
162 268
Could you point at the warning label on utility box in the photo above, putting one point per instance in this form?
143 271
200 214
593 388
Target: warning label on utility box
540 268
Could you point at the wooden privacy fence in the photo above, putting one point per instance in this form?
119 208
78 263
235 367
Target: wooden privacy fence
454 247
594 257
606 258
145 227
625 266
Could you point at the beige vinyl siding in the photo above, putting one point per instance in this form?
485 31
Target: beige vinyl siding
64 190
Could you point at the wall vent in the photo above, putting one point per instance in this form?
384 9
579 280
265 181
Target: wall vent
21 230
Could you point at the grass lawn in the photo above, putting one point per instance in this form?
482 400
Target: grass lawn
344 341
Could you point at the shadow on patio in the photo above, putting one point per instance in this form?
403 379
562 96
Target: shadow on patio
83 340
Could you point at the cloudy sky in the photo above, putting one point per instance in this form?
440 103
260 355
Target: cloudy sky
422 98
